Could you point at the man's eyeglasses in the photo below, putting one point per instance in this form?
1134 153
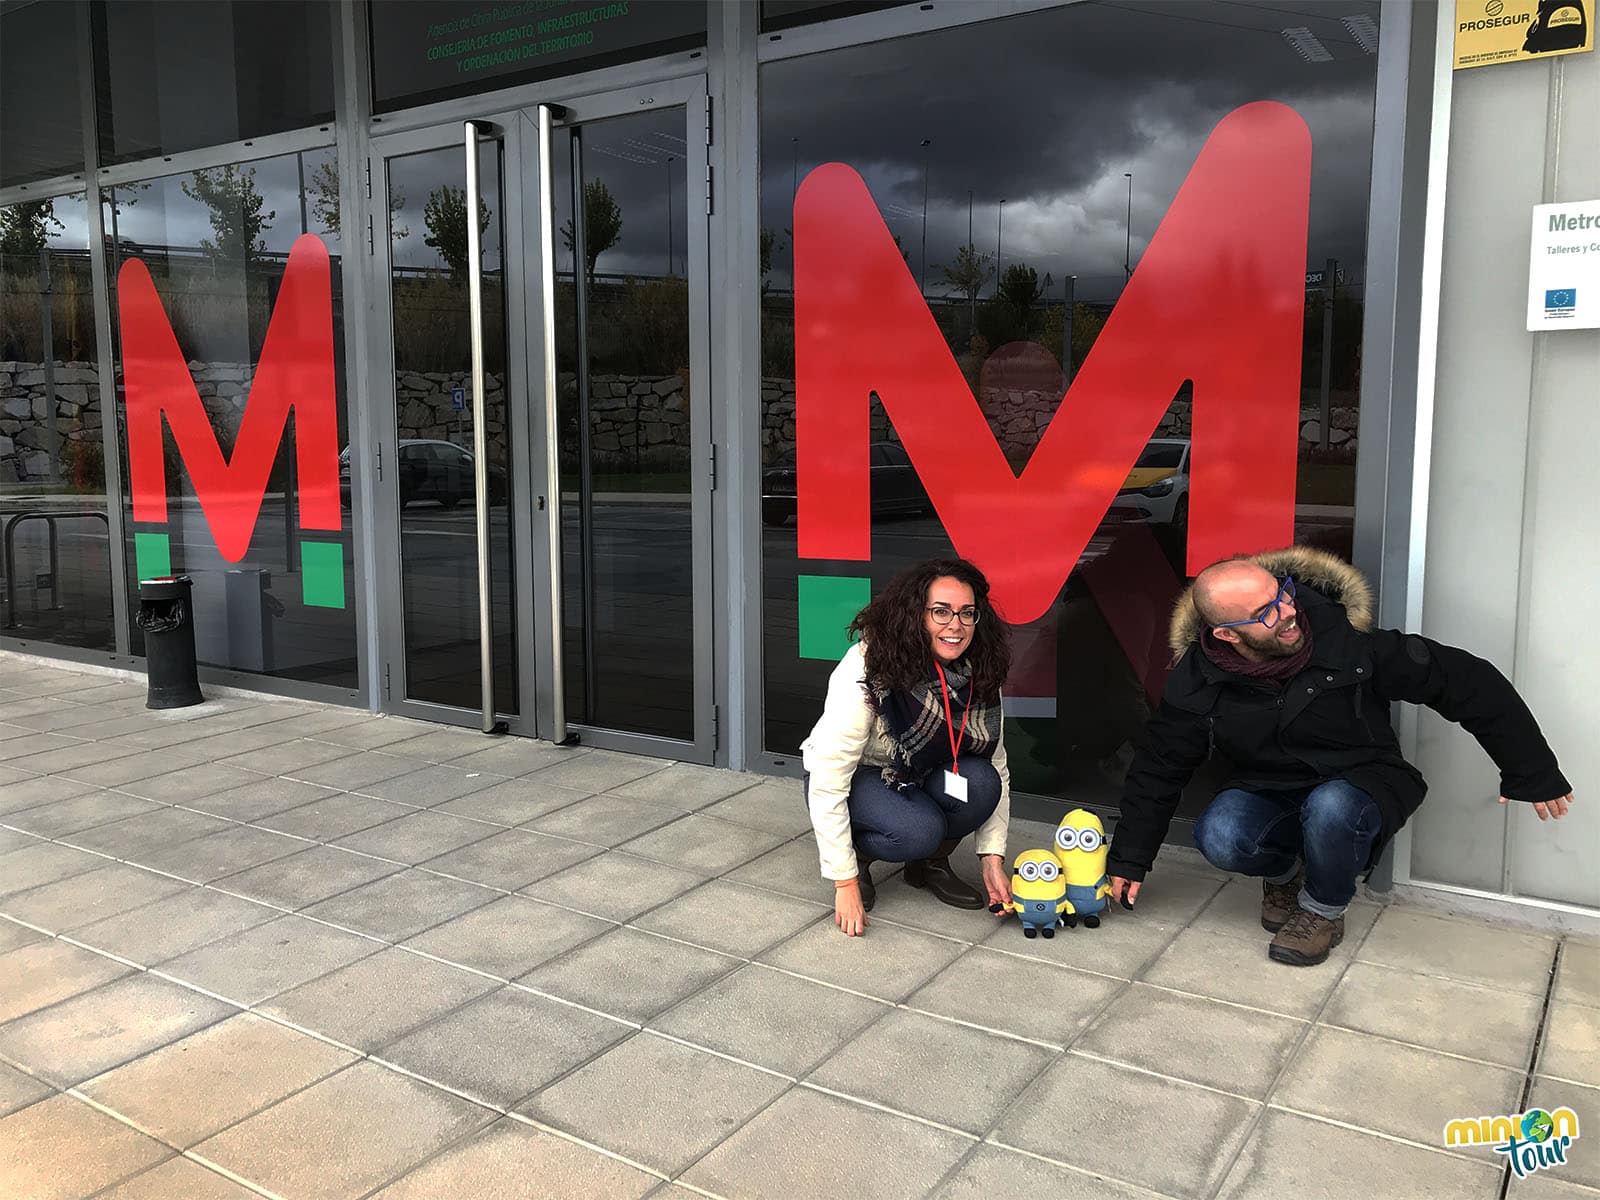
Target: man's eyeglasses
1269 615
941 614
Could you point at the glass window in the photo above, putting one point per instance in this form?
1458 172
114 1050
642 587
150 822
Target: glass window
226 286
978 210
426 50
788 14
262 66
41 123
55 576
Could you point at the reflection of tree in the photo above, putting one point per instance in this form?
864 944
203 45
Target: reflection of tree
445 216
602 225
969 272
25 227
235 210
1010 315
324 188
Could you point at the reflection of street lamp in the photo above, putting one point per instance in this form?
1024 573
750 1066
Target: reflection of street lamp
999 224
926 142
1066 330
669 216
794 166
1127 241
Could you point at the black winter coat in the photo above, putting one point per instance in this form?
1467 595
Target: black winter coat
1331 721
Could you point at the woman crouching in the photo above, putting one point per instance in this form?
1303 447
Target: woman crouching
908 758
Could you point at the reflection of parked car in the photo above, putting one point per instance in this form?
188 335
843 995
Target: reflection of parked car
1157 489
895 486
432 470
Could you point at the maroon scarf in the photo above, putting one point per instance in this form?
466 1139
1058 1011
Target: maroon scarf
1276 671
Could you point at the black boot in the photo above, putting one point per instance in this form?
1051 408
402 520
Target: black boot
938 877
869 890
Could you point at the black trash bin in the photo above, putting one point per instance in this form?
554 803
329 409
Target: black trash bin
166 614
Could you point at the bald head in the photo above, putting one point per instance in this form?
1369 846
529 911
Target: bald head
1235 590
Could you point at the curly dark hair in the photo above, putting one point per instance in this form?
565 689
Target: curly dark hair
897 650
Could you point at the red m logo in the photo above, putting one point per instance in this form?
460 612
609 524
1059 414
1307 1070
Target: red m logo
296 371
1218 299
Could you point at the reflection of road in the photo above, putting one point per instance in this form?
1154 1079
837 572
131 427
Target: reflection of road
71 606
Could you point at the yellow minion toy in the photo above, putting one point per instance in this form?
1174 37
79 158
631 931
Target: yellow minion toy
1038 892
1081 850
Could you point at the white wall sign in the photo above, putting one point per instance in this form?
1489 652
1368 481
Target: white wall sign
1564 270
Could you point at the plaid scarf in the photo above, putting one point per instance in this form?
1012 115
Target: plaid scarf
915 723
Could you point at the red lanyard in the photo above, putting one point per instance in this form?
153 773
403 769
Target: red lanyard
949 720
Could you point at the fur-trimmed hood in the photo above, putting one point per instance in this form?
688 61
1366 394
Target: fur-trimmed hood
1324 573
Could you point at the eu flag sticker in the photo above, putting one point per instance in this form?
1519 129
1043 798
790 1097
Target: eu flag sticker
1560 300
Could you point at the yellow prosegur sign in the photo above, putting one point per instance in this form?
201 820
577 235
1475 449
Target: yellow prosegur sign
1501 31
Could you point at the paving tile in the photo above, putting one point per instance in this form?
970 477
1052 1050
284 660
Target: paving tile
1514 959
1123 946
344 1136
732 918
18 1090
776 805
1232 1049
1170 1136
43 1136
45 862
262 798
190 784
178 1177
1236 911
934 1069
398 906
377 999
235 742
883 1156
103 1028
431 786
600 771
357 770
146 732
133 837
1373 1084
1024 996
1175 897
510 1159
14 936
237 848
437 745
417 836
62 758
1571 1047
1291 1155
372 735
888 962
306 877
686 786
15 839
190 1089
1578 979
901 904
509 937
96 807
993 1171
249 967
505 1045
333 815
613 885
629 974
285 758
791 869
1545 1186
155 932
1426 1010
510 859
512 757
605 820
513 802
1583 1164
1208 963
72 903
323 720
703 844
47 972
656 1101
38 789
130 768
771 1019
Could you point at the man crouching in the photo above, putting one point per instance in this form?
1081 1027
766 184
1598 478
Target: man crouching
1280 671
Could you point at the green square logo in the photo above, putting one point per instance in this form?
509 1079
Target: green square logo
152 555
322 574
828 603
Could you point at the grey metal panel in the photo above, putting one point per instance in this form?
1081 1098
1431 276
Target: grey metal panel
312 137
892 22
42 189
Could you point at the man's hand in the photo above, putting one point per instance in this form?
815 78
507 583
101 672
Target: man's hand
1550 810
1124 891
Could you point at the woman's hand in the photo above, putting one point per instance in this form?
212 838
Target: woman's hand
848 914
996 883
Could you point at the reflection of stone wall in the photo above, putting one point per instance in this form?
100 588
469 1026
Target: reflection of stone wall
24 410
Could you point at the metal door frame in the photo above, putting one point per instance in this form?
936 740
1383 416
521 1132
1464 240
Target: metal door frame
690 94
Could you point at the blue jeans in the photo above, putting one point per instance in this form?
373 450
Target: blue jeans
908 826
1330 827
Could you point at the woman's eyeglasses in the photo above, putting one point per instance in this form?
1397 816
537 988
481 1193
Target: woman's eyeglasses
941 614
1269 615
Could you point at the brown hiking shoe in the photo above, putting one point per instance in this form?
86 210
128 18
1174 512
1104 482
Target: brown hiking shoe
1306 939
1279 901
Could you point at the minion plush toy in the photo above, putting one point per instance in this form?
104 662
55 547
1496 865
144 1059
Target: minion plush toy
1081 850
1038 892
